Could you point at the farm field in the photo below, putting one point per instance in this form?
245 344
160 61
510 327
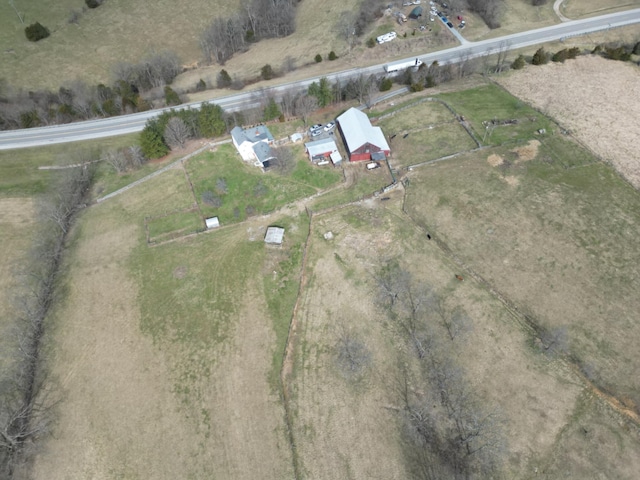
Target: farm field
506 273
612 132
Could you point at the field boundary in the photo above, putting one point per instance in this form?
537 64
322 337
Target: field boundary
523 319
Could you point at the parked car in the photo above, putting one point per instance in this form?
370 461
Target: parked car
317 132
449 24
329 126
315 127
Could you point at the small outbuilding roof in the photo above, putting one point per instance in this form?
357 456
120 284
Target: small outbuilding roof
274 235
320 147
416 12
212 222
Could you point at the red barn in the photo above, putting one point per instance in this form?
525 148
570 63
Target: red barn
361 138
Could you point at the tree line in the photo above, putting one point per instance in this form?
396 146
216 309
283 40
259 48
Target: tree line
254 21
24 404
447 431
81 101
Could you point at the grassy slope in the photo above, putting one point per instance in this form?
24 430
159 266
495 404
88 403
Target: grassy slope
117 31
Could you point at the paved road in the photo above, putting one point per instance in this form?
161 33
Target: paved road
121 125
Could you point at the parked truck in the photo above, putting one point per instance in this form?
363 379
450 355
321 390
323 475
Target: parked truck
398 66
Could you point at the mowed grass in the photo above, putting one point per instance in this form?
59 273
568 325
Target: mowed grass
557 235
118 30
19 174
490 102
174 225
248 191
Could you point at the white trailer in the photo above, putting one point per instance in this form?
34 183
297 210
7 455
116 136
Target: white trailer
397 66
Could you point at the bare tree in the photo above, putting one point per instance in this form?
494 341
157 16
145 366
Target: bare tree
346 27
285 159
176 133
304 105
117 159
352 355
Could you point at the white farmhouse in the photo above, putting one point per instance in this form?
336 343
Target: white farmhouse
253 144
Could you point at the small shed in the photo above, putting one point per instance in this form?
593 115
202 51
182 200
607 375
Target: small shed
212 222
274 235
296 137
416 12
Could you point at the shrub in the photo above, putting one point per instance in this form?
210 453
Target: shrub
224 79
332 55
271 111
560 56
36 32
318 58
93 3
416 87
201 86
170 96
386 84
430 81
636 49
266 72
518 63
540 57
573 52
371 43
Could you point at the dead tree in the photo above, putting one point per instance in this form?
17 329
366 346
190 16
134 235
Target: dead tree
176 133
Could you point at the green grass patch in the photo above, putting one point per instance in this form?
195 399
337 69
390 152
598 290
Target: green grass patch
174 225
367 182
490 102
247 191
19 174
281 287
317 177
429 144
417 117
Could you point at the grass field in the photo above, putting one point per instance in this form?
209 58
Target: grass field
167 356
19 174
244 190
575 9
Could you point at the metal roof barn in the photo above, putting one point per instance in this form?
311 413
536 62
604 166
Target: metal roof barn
274 236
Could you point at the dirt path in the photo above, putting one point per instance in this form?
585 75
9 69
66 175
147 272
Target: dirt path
556 8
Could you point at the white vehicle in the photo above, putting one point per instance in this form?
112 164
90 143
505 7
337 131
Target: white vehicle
397 66
387 37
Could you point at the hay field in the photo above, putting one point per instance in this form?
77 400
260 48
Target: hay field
352 428
591 97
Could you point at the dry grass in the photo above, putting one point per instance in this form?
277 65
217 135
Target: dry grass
575 9
589 96
351 429
16 227
148 388
119 30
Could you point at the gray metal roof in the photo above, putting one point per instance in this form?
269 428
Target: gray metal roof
274 235
262 151
259 133
320 147
357 130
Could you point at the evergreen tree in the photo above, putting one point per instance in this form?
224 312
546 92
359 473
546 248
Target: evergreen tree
540 57
36 31
518 63
152 140
211 121
271 111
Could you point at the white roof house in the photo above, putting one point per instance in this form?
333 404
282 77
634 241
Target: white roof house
253 143
274 235
362 138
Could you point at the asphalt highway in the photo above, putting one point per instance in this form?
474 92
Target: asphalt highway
107 127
